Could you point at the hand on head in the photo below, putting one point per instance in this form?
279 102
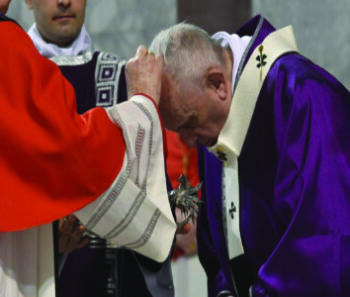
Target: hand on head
143 74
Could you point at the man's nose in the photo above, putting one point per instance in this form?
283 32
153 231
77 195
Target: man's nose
64 2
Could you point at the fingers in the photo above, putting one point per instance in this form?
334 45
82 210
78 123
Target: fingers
83 242
71 234
141 51
159 61
66 224
77 234
184 229
187 242
143 73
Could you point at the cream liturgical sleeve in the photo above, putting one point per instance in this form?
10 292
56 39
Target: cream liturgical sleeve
135 212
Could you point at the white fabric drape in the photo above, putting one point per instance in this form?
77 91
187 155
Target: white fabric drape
80 45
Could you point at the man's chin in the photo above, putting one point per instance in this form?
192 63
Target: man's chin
64 37
4 8
208 142
168 122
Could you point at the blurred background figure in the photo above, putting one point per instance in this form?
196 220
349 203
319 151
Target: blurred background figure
119 26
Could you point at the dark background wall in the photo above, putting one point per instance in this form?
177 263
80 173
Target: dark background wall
214 15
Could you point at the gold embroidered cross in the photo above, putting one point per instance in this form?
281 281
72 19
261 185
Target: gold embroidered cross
261 59
221 155
232 210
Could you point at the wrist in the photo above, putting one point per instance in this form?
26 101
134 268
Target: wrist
165 147
149 97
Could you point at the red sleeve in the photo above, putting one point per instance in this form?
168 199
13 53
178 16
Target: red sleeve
53 161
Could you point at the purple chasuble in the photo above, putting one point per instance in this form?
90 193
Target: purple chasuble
294 178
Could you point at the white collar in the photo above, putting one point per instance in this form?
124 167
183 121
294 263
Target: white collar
237 44
80 45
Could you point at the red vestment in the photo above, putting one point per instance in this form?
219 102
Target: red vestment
53 161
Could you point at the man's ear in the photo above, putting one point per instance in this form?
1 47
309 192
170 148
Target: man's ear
215 80
29 4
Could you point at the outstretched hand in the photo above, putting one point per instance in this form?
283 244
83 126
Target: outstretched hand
143 74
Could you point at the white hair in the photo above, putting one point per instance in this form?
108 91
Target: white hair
188 52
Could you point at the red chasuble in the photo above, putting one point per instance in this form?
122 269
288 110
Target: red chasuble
53 161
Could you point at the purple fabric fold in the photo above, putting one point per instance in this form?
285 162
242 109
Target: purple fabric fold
294 177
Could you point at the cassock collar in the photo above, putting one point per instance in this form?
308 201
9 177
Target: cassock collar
232 135
81 44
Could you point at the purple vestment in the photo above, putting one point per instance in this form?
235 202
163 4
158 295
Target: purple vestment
294 177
